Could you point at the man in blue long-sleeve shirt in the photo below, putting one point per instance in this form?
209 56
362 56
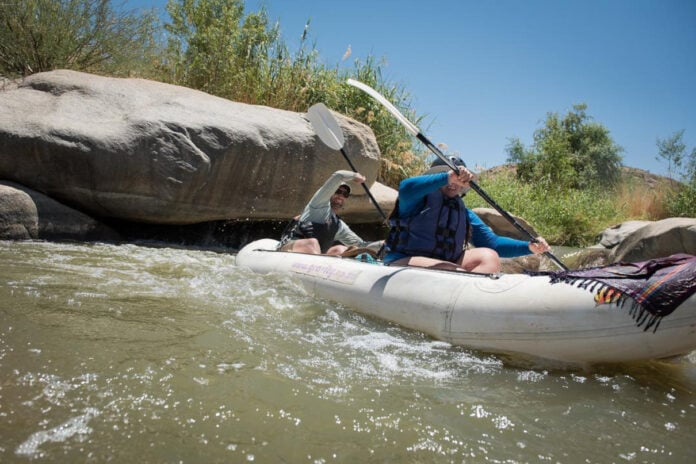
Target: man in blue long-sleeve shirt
430 226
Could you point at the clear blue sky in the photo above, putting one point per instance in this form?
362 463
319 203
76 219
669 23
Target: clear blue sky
486 71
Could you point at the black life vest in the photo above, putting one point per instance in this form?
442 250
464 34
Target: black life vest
439 230
324 232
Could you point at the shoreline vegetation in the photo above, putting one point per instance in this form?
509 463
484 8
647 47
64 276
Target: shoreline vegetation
576 217
570 184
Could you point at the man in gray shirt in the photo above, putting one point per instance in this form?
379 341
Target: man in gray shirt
319 226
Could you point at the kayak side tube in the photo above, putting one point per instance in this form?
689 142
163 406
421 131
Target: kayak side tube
510 313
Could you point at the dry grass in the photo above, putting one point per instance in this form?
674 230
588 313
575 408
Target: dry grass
642 195
575 217
638 202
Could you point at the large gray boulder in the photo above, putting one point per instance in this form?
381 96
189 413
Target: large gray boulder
658 239
502 226
144 151
27 214
614 235
19 219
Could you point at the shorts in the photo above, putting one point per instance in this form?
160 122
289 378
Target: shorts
286 245
393 256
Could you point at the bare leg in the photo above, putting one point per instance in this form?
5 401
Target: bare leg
336 250
303 245
483 260
430 263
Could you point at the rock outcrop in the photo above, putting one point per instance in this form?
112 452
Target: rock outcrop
142 151
27 214
502 226
658 239
613 236
19 219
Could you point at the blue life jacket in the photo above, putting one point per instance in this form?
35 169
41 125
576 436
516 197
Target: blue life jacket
439 230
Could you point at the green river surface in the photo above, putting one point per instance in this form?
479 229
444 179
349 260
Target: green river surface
141 354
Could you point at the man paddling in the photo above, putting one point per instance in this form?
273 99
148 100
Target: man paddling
430 226
319 226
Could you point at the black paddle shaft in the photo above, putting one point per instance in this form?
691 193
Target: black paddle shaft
367 190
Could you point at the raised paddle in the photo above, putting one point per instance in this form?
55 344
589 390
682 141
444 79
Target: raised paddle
327 129
419 135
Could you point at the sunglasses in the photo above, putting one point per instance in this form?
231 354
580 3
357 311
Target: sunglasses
343 192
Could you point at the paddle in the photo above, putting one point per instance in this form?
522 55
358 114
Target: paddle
410 127
327 129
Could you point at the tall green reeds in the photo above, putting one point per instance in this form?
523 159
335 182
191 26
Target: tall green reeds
84 35
217 47
575 217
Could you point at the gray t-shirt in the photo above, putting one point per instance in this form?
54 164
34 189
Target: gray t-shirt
319 208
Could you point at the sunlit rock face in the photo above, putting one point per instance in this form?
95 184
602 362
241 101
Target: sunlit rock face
143 151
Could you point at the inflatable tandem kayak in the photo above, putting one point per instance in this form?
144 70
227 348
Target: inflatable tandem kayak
509 313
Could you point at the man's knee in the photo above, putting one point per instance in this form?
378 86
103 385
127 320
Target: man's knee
336 250
490 260
481 260
303 245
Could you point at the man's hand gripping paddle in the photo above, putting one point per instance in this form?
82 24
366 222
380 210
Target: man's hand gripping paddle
327 129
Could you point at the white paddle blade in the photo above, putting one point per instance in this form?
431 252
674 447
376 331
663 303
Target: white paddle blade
325 126
387 104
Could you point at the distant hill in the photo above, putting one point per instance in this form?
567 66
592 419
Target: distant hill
646 177
630 176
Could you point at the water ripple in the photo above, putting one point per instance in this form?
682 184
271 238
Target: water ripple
163 355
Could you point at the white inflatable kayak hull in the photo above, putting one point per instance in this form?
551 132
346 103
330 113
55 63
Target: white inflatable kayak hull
513 313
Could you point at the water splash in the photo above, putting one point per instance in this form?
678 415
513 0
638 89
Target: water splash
74 427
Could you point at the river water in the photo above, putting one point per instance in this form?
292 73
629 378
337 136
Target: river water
143 354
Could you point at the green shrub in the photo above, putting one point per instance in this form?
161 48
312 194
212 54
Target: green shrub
83 35
215 46
681 202
564 217
570 152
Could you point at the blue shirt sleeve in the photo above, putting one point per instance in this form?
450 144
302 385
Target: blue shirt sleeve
483 236
412 191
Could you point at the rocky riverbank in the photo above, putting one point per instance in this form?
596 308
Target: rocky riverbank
90 158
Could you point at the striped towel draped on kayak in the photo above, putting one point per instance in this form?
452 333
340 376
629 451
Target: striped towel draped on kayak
655 287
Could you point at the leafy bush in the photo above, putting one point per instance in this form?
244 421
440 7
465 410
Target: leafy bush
570 152
216 47
568 217
402 156
681 202
84 35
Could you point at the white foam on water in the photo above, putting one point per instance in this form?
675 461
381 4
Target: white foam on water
531 376
68 429
396 356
